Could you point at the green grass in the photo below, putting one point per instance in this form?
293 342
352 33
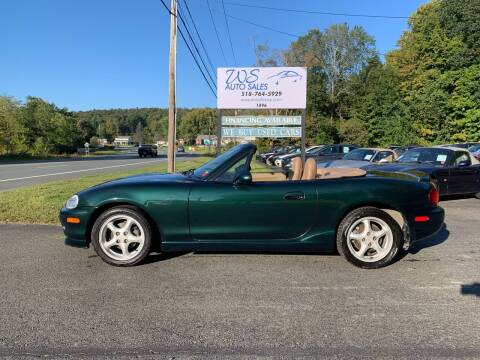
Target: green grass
40 204
105 152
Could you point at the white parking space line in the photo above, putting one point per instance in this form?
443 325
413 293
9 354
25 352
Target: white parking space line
78 171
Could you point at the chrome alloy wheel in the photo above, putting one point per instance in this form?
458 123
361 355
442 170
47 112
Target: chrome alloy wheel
369 239
121 237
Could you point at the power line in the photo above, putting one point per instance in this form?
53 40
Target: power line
194 45
191 51
316 12
199 37
296 36
198 65
216 32
263 26
228 32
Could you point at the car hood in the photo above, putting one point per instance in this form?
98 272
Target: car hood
142 179
343 164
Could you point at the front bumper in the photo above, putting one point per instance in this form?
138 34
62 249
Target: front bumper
76 234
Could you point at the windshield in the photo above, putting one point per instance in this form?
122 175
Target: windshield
313 148
474 148
203 171
425 155
360 154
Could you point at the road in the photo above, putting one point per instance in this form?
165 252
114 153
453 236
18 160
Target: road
61 301
16 174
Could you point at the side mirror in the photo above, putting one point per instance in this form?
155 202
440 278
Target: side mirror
244 178
463 163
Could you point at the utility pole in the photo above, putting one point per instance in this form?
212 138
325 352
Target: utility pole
172 110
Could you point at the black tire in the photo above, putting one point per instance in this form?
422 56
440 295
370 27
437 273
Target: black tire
353 217
135 214
140 156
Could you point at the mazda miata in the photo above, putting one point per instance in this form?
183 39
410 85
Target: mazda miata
222 206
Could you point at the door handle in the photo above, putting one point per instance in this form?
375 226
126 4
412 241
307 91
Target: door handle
296 195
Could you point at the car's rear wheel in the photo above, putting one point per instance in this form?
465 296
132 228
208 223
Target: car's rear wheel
121 236
369 238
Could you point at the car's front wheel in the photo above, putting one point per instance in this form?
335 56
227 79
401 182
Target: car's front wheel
369 238
121 236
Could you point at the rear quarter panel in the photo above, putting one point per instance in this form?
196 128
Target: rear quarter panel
338 197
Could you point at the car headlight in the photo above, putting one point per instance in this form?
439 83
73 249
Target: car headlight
72 203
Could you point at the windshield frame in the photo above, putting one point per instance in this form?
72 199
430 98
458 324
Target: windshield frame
222 162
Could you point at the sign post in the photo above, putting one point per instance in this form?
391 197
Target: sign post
261 88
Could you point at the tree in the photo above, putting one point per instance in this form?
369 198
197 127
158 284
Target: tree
12 132
437 65
337 54
353 132
196 122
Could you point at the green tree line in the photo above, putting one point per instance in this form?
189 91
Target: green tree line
426 91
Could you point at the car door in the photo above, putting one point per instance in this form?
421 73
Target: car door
220 210
464 177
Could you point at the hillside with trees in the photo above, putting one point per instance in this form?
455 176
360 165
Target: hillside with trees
426 91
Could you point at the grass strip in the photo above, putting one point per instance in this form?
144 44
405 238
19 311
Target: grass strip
40 204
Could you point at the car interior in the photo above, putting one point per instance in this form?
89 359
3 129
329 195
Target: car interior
308 172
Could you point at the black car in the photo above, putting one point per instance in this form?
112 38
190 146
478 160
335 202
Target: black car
147 150
454 170
327 152
461 145
265 155
285 150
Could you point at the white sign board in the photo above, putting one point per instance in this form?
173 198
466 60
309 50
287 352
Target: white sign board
262 88
274 120
266 132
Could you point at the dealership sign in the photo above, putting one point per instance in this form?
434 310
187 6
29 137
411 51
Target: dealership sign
266 132
262 88
275 120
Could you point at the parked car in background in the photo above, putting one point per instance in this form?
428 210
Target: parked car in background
454 170
465 145
399 150
325 152
360 158
287 150
276 159
475 151
280 160
147 150
369 219
181 149
276 150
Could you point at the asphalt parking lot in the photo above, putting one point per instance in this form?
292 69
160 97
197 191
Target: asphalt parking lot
62 302
22 173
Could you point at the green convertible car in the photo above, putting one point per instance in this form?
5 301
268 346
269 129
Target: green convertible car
369 218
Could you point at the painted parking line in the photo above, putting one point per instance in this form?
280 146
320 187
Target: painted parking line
78 171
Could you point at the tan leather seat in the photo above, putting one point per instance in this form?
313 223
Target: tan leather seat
337 173
260 177
297 168
310 170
